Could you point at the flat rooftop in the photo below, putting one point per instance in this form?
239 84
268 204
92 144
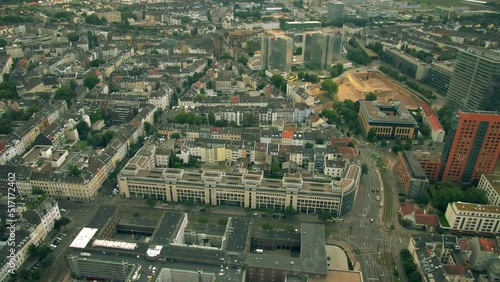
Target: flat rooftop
414 166
427 157
291 236
167 228
227 274
312 249
384 113
102 216
494 180
238 180
83 238
477 208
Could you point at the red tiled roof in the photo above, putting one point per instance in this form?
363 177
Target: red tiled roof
455 269
349 151
235 99
488 245
464 244
340 141
23 62
3 144
427 219
314 118
216 130
287 134
406 208
433 120
435 124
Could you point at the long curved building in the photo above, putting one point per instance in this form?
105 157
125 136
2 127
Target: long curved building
247 190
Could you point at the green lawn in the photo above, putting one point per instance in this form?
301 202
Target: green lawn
443 221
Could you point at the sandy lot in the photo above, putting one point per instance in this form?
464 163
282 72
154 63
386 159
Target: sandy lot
354 86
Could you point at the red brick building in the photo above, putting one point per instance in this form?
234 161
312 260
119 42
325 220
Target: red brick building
430 163
411 176
472 147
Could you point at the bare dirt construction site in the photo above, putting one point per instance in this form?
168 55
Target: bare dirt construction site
355 86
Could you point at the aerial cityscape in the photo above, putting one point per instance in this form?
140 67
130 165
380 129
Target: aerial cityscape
250 140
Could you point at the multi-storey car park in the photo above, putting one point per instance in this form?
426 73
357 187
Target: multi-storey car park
249 189
134 244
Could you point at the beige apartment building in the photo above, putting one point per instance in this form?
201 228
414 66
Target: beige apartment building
248 190
490 183
473 217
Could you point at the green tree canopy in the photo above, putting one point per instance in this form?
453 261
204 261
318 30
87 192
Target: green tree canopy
83 129
329 87
62 222
73 37
371 96
90 80
447 193
371 135
66 94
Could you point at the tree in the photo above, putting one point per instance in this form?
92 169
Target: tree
405 254
62 222
277 80
414 277
267 226
66 94
320 141
324 216
73 37
95 20
3 42
73 85
172 159
308 145
211 118
447 193
329 87
174 100
364 168
73 170
408 144
409 266
90 80
151 202
371 96
147 128
32 250
226 56
290 211
383 143
242 59
371 135
300 75
83 129
350 144
307 76
275 168
175 136
47 262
